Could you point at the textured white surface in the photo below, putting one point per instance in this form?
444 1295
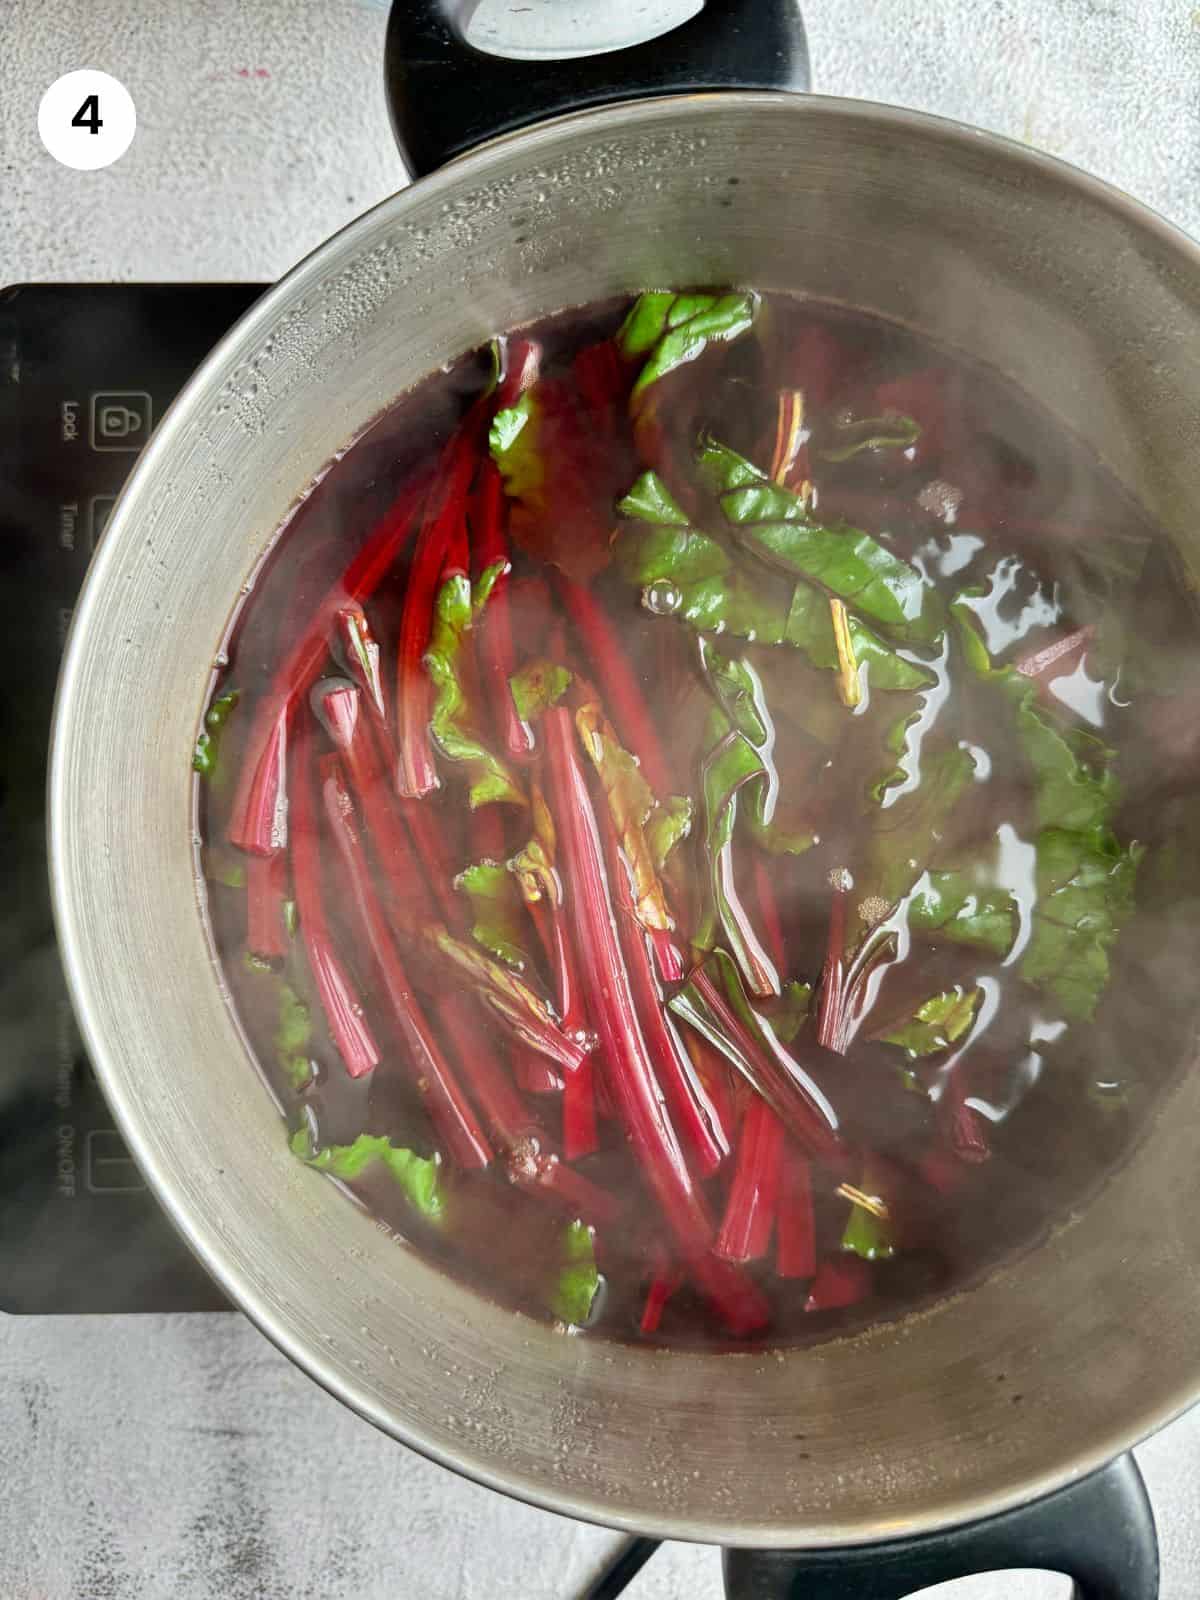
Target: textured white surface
154 1457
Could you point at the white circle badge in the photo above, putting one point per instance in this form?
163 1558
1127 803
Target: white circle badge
87 119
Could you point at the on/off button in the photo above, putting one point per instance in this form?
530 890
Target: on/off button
121 419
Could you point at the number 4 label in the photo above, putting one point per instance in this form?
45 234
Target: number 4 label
88 115
87 119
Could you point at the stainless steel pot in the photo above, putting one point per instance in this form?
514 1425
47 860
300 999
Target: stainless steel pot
1041 1373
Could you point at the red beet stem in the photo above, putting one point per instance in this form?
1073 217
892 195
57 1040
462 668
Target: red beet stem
266 890
609 661
521 368
603 381
840 1281
753 1196
542 1173
456 1123
779 1078
635 1093
339 999
662 1286
536 1075
356 651
431 848
712 1075
258 821
579 1113
768 907
795 1230
504 1112
442 535
961 1126
699 1126
1055 659
554 936
494 641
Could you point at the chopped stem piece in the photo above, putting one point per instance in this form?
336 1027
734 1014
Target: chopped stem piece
266 889
795 1231
607 654
635 1093
494 638
754 1193
451 1113
356 651
258 820
442 534
343 1009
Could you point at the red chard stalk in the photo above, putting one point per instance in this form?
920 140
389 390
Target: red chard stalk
497 654
266 891
622 693
450 1110
666 1280
442 532
754 1193
636 1096
796 1234
339 998
258 821
357 653
841 1281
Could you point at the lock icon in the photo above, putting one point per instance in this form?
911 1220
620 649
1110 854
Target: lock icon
121 419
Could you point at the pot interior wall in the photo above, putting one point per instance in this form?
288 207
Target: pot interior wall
1053 1363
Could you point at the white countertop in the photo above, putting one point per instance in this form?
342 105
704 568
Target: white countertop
182 1457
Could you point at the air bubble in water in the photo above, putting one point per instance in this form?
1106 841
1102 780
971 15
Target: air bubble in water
662 598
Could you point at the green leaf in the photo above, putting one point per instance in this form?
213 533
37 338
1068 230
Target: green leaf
1085 876
810 628
558 476
791 1011
907 837
454 722
1070 793
936 1024
577 1282
496 905
293 1033
537 685
731 763
867 1235
223 867
208 744
506 429
645 323
691 575
634 809
418 1176
776 526
871 433
739 691
1085 894
651 501
676 329
955 906
669 824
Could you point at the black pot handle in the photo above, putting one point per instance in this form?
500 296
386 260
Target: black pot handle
446 96
1099 1532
